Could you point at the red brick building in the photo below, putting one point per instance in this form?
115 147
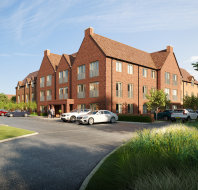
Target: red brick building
104 74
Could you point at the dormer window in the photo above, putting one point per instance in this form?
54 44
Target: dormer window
32 83
192 83
27 85
18 87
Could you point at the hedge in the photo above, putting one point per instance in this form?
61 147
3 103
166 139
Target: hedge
134 118
43 114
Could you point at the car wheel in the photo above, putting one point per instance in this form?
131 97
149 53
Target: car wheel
73 118
2 114
25 115
64 120
11 115
166 118
91 121
112 120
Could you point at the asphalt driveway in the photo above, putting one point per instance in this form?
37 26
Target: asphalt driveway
61 155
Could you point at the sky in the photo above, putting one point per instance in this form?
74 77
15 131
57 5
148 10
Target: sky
27 28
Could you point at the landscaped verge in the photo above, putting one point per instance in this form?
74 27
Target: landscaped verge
159 159
10 132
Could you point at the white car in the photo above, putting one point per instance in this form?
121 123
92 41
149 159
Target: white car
97 116
71 116
184 114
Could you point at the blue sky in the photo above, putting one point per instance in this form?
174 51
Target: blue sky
27 28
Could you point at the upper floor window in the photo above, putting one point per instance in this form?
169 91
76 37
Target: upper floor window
18 99
144 92
167 91
174 80
49 94
130 90
192 83
144 72
27 85
167 78
26 97
18 87
42 81
153 74
65 75
174 95
130 69
81 72
42 96
81 91
60 77
94 69
60 93
118 66
49 80
118 89
65 92
32 83
94 90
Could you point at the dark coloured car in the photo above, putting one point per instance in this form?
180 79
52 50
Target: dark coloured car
166 115
18 113
3 112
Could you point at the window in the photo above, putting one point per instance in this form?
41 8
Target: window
32 97
192 93
42 108
65 75
153 74
174 95
18 99
81 91
167 107
66 93
130 108
27 85
42 96
60 77
49 80
167 91
144 109
19 87
94 69
32 84
130 90
118 89
118 66
153 89
186 83
60 93
181 96
144 72
81 106
174 107
94 90
42 82
49 94
130 69
22 97
26 98
174 80
144 92
118 108
167 78
192 83
94 106
81 72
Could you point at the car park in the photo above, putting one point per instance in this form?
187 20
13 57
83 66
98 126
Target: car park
183 114
18 113
97 116
166 115
71 116
3 112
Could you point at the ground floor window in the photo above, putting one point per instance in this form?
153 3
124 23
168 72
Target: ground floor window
167 107
144 109
81 106
174 107
94 106
118 108
42 108
130 108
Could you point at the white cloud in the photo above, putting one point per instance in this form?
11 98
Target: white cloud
193 59
5 55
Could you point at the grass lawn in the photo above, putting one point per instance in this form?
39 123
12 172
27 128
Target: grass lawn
165 159
34 114
9 132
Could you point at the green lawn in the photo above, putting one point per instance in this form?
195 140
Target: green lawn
163 159
33 114
9 132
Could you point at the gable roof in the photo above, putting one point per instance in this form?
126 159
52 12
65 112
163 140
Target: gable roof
33 74
159 58
187 77
54 59
123 52
20 83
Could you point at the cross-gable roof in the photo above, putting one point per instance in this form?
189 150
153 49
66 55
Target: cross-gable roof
123 52
54 59
33 74
187 77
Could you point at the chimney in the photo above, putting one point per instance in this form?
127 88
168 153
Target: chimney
47 52
89 31
169 48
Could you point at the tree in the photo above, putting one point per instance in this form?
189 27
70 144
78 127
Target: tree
157 99
190 102
3 97
13 98
195 65
1 105
33 106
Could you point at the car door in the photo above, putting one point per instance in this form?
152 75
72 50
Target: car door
107 115
99 117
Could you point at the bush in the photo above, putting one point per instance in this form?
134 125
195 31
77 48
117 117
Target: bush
134 118
43 114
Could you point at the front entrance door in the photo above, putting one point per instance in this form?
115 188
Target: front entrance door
57 108
71 107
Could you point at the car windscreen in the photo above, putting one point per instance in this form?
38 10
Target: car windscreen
94 112
76 110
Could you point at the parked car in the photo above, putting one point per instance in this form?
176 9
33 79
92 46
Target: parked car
196 112
3 112
166 115
18 113
97 116
74 114
184 114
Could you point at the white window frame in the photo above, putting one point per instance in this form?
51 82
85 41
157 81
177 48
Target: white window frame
118 66
144 72
130 69
153 74
119 89
130 90
145 88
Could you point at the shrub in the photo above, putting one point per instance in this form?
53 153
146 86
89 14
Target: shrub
43 114
134 118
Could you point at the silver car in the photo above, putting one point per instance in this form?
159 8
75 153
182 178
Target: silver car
97 116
